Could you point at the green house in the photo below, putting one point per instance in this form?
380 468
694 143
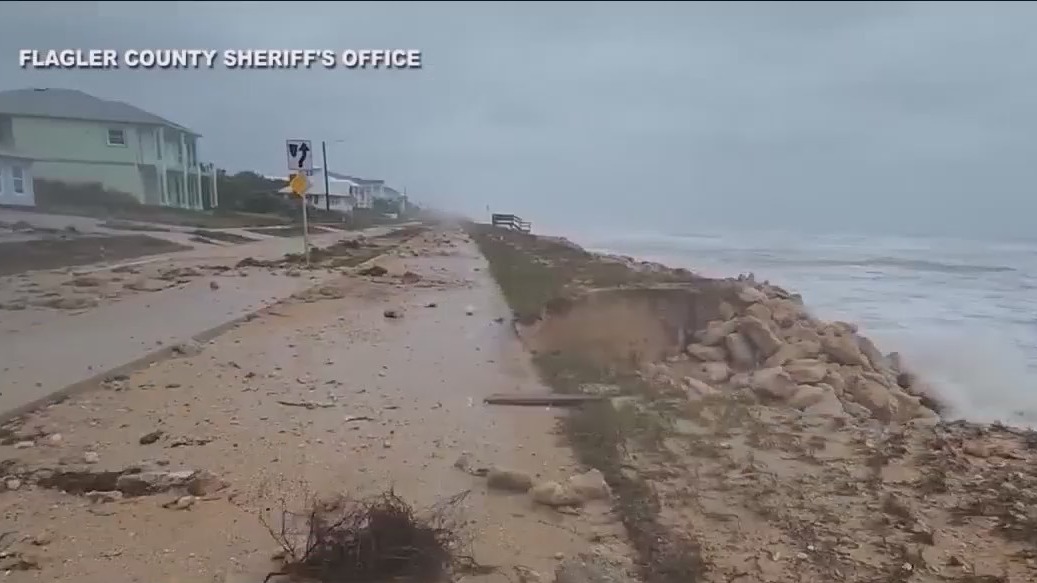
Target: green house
76 138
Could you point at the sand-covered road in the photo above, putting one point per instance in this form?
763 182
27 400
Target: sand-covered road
313 397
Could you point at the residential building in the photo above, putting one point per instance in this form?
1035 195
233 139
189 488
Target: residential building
342 192
16 186
74 137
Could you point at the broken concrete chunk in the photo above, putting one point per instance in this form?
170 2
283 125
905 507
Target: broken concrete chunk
151 482
103 497
553 494
205 483
190 348
589 485
509 480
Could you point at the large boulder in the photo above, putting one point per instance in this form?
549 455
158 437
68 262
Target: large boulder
697 389
760 334
785 313
711 372
794 350
707 353
843 349
874 396
774 383
741 351
808 396
726 311
716 331
759 311
828 405
806 371
801 332
872 353
751 295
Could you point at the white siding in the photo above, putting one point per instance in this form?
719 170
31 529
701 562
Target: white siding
16 182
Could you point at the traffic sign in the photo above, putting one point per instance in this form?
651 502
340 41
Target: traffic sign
299 157
299 183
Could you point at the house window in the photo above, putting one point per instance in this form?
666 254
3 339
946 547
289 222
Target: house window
158 144
116 138
18 179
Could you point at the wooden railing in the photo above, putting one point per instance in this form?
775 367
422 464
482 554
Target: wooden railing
511 222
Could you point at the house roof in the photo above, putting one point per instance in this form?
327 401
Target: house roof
7 153
74 104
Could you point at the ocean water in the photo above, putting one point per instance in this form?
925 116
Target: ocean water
962 312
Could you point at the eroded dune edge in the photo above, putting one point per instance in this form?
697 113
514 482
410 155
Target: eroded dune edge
746 440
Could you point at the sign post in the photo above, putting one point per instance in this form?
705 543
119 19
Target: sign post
299 185
300 162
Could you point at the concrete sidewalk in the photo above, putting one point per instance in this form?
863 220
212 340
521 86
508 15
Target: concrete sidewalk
50 358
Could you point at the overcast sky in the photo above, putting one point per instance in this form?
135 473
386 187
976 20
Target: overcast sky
864 117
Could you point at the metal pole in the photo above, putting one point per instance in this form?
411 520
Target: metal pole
305 230
327 194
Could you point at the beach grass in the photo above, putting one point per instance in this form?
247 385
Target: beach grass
534 273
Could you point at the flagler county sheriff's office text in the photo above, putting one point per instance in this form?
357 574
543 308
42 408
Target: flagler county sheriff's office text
209 58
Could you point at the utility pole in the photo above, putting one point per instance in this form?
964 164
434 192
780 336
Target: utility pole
327 193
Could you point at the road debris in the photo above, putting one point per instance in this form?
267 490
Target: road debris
306 404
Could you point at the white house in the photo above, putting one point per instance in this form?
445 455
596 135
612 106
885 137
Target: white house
16 179
76 138
342 193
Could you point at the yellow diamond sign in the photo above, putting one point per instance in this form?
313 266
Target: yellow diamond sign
299 184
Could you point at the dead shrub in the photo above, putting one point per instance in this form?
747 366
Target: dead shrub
375 539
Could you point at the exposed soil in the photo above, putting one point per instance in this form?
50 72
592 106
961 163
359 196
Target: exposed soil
52 253
722 482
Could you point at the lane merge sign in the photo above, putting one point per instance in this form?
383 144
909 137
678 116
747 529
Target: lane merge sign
300 157
299 184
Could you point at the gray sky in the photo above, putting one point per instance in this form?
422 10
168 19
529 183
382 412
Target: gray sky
864 117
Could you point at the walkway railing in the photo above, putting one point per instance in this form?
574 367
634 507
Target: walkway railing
510 222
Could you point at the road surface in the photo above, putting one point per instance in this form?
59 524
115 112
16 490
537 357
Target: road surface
395 402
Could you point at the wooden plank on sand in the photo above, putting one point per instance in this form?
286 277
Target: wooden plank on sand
541 399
